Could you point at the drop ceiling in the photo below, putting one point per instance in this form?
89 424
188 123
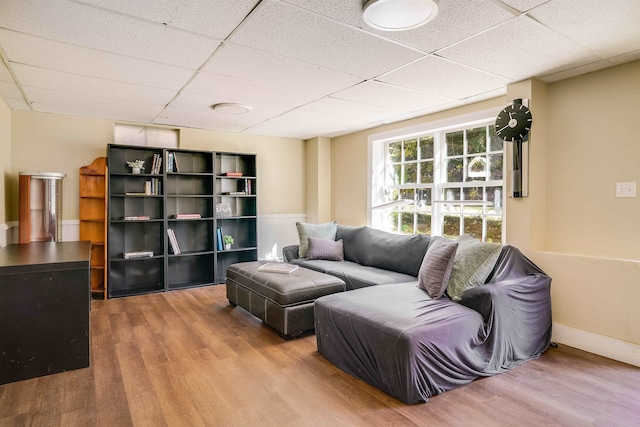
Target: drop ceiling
306 67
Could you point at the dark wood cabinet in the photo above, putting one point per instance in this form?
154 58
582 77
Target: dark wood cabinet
44 309
189 188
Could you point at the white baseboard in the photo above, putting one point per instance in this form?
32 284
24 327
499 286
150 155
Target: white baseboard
4 235
601 345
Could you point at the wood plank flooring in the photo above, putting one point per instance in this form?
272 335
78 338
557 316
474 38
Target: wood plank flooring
186 358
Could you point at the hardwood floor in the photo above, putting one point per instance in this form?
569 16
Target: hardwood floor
186 358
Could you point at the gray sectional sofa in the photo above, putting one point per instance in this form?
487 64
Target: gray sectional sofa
393 335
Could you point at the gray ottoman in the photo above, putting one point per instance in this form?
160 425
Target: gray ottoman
283 301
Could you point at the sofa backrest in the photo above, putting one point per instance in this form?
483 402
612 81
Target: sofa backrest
376 248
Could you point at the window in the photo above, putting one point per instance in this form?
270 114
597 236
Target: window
444 183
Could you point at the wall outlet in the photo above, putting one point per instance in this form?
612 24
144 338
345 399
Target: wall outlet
626 189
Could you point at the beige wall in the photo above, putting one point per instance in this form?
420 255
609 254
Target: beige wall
318 180
583 141
5 159
594 143
55 143
591 237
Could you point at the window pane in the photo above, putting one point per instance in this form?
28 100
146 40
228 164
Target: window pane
452 194
495 166
395 152
455 146
473 226
454 170
473 193
451 226
476 168
494 196
395 172
410 173
423 199
494 229
424 223
393 221
426 147
407 222
407 193
426 172
477 140
411 150
496 141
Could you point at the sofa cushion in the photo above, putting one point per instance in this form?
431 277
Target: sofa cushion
401 253
436 267
325 230
330 250
473 264
355 275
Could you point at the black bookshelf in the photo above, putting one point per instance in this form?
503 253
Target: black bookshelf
144 257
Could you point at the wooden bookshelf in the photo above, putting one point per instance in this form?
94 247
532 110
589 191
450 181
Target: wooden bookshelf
93 208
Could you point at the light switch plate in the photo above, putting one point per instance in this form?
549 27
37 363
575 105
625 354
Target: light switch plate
626 189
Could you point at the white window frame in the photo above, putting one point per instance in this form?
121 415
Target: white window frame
377 159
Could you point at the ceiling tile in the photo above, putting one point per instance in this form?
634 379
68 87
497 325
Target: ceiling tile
191 15
301 124
87 26
5 75
440 77
294 33
91 86
17 104
26 49
609 28
50 101
572 72
524 5
205 119
247 91
10 90
358 112
382 94
522 48
252 64
455 21
195 103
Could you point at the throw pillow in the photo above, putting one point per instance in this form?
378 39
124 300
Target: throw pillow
325 230
474 262
437 265
331 250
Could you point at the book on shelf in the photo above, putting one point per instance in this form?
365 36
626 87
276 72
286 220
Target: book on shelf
173 242
152 187
137 254
219 243
233 173
136 218
172 162
188 216
277 267
134 193
234 193
155 164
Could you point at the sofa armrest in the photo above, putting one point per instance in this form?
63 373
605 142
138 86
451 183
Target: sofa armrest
290 253
517 315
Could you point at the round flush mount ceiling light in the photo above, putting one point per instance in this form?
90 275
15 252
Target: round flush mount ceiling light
231 108
399 15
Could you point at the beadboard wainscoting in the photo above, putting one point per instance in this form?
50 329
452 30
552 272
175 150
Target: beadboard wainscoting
275 232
